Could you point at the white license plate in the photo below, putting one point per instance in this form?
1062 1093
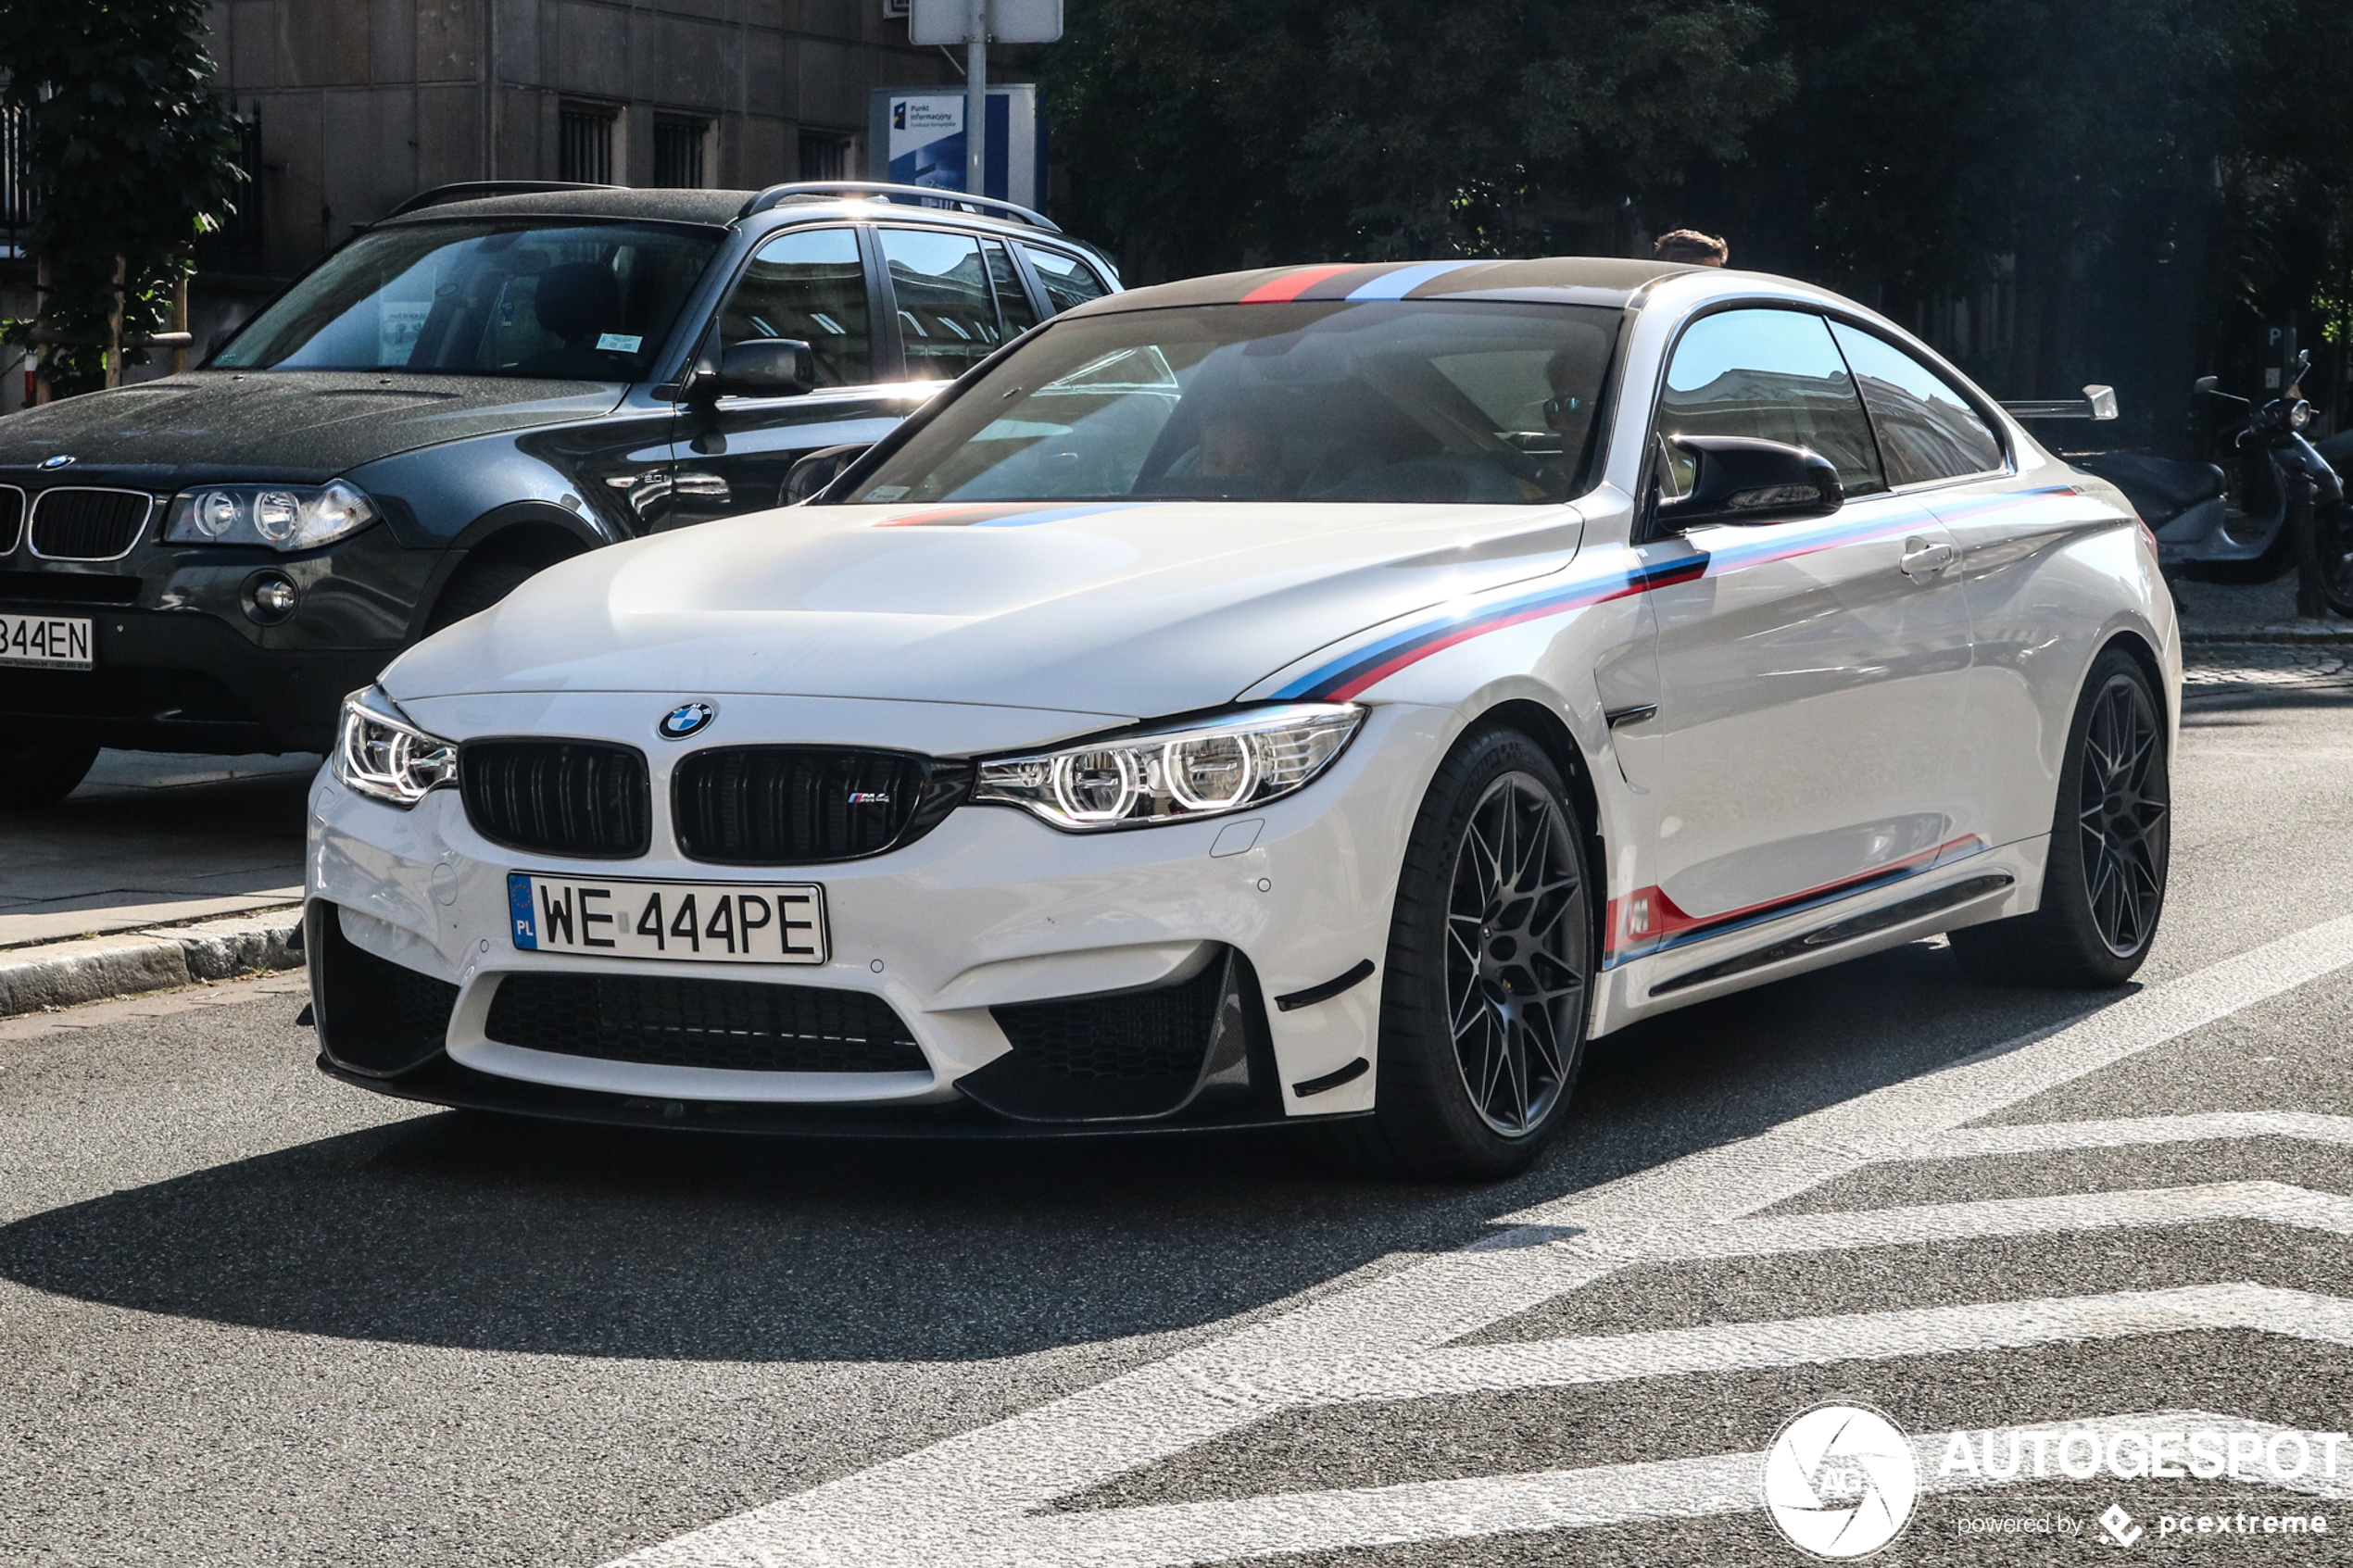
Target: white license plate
45 642
713 922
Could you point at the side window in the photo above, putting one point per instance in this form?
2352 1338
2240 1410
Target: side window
1772 374
808 283
1013 301
947 310
1066 279
1927 430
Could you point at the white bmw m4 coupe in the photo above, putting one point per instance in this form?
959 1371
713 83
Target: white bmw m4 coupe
1326 695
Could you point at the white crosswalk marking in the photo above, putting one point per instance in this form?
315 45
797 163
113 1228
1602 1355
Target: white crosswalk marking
975 1498
1170 1534
2051 1137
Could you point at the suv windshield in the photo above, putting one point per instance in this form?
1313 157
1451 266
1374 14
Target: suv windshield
1409 401
579 301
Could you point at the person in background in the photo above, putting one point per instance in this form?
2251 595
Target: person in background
1692 248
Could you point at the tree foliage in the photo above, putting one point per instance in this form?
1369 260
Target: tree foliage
1221 132
130 155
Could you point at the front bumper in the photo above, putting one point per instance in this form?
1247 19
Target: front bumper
990 915
183 681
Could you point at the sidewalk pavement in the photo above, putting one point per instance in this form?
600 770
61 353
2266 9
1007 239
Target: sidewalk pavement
164 871
122 886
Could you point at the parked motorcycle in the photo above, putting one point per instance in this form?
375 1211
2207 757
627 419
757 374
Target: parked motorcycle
2292 501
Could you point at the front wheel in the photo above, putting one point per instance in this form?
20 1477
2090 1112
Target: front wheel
2104 879
2333 527
1490 958
36 774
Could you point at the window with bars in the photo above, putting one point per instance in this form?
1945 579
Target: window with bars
584 144
678 144
824 154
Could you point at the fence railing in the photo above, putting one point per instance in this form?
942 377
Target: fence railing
236 247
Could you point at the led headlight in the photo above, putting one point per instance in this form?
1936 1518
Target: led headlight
1174 775
381 753
284 516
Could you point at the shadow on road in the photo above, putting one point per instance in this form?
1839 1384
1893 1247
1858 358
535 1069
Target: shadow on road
477 1233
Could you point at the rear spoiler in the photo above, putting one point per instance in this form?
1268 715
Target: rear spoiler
2097 402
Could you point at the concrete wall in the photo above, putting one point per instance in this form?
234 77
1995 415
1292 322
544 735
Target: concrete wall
364 102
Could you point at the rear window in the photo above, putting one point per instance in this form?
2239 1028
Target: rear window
1434 401
575 301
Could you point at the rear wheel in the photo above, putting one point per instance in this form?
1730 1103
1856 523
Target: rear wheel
2104 879
2333 525
1490 957
38 773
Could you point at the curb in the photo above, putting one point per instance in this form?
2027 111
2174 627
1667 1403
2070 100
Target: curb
58 974
2266 635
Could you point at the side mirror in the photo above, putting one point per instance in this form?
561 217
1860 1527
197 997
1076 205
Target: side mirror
763 367
817 470
2206 383
1739 479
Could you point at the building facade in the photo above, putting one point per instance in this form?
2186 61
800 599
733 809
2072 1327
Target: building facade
356 105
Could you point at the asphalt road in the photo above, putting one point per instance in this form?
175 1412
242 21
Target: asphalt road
249 1316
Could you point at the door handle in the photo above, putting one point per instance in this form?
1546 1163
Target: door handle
1923 560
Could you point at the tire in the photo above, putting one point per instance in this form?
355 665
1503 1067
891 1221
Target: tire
2104 879
34 774
1494 907
478 584
2333 525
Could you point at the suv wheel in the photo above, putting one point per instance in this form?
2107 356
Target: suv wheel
37 773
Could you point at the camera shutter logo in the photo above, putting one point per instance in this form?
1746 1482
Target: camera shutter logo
1840 1481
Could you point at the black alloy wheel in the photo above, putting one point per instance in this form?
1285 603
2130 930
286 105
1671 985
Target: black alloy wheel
1485 994
2334 527
2121 813
2104 874
1514 987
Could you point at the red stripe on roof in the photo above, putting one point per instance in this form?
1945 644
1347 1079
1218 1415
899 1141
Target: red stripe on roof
1291 284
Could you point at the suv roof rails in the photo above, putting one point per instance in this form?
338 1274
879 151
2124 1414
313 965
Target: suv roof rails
467 190
923 194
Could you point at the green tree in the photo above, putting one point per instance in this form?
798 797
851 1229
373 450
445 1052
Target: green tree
1219 132
131 157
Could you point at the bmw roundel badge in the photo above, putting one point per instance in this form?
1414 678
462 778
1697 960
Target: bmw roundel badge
61 460
686 719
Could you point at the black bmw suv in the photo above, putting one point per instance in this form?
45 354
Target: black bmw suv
495 377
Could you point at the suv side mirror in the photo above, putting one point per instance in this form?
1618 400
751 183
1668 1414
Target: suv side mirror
818 469
1740 480
763 367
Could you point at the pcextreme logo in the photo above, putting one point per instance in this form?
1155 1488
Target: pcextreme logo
1840 1481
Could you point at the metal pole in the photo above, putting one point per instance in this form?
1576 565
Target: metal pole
976 96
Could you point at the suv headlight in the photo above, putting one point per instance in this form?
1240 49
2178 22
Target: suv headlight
284 516
1176 774
381 753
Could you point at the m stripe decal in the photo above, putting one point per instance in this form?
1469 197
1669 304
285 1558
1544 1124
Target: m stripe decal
1291 285
1403 281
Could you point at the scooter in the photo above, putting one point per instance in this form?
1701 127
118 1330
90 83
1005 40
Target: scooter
2293 503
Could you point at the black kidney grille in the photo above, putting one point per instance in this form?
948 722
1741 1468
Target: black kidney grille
87 524
585 799
11 515
1163 1032
667 1021
797 805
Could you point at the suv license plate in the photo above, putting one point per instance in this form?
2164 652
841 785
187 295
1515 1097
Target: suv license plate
44 642
710 921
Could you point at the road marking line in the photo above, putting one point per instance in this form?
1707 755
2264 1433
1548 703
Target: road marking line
2047 1137
1166 1536
959 1499
1850 1336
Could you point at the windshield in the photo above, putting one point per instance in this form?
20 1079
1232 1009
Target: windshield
576 301
1404 401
